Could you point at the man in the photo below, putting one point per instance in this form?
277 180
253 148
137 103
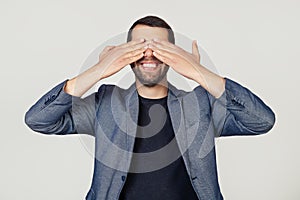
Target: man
152 140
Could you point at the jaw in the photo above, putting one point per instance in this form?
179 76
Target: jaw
152 91
151 84
151 74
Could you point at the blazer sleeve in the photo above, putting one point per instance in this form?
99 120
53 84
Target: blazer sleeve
240 112
57 112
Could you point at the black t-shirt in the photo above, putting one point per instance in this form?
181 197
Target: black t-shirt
154 132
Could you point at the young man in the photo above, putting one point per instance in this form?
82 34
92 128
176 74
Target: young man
152 140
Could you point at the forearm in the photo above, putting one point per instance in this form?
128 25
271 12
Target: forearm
80 84
211 82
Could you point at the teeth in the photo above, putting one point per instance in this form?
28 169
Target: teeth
149 65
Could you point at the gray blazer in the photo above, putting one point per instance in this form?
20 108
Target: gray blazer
111 115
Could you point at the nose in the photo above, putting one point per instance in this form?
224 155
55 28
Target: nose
148 53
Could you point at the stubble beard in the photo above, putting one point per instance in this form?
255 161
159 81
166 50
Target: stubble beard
150 79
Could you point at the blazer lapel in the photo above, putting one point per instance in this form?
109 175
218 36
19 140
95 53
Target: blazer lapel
132 106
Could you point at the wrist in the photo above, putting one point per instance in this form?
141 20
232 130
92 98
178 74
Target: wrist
69 86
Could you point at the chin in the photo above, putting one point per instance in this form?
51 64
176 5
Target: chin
149 84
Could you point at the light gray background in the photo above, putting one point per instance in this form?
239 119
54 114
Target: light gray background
44 42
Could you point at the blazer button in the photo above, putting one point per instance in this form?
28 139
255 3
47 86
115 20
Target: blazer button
123 178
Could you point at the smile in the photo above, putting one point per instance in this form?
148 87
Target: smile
149 65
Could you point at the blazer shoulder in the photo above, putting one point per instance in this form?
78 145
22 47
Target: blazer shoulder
109 90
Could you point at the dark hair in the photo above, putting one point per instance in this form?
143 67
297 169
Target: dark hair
152 21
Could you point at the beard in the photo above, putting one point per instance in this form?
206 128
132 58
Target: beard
150 78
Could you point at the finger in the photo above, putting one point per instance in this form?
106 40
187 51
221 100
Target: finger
195 50
132 59
164 53
167 52
163 58
133 53
164 43
168 47
161 48
108 48
132 43
134 47
120 64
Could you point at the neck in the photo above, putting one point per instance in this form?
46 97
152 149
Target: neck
157 91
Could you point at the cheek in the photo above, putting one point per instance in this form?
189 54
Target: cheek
165 66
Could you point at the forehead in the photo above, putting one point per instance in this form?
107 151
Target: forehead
149 33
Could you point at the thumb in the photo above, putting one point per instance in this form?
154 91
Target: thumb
108 48
195 50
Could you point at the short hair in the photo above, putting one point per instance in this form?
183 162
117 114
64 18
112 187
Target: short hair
152 21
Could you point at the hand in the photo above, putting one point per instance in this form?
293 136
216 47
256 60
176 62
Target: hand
183 62
188 65
113 58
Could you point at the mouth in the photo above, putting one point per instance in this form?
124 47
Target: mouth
150 65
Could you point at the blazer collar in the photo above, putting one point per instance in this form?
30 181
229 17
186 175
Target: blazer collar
132 94
132 106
